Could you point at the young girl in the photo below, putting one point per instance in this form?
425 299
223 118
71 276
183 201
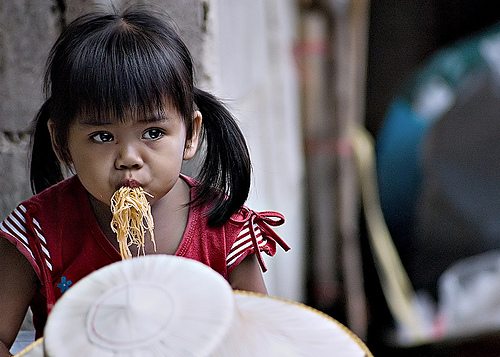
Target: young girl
122 110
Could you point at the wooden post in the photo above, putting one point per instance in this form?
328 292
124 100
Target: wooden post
315 63
350 44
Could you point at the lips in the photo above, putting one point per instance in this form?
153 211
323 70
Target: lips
129 183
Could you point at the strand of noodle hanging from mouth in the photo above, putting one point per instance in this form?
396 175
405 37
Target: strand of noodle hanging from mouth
131 218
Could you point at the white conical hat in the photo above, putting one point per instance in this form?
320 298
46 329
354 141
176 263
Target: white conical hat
271 327
162 305
155 305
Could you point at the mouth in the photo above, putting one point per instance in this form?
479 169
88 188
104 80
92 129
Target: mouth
128 183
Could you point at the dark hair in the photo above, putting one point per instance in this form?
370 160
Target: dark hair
107 65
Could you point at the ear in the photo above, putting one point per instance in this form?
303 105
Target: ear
52 130
192 142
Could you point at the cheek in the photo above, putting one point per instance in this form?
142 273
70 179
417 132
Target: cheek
92 167
85 163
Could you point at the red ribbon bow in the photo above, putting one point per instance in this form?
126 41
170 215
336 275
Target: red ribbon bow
263 220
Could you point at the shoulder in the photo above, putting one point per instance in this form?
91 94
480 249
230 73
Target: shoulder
16 224
255 235
25 225
245 232
60 192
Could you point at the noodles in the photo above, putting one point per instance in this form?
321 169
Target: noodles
131 218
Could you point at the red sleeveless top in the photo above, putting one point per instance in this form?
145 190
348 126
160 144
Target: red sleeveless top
57 232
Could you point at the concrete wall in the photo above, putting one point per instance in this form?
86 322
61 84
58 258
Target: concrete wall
256 73
27 31
243 52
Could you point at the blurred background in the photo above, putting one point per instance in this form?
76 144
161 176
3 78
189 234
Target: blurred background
373 128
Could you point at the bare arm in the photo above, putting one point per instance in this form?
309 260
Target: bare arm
4 351
248 276
18 283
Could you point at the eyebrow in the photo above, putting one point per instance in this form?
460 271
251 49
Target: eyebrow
154 118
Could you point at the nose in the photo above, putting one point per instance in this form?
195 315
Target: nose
128 157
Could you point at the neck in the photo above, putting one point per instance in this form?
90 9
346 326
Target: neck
103 216
171 214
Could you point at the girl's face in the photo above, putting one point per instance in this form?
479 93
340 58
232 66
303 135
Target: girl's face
147 152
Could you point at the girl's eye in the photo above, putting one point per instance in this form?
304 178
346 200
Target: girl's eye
102 137
153 134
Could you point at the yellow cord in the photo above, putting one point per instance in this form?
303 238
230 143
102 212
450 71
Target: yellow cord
395 282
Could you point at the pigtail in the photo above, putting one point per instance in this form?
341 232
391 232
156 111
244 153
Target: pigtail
225 175
45 169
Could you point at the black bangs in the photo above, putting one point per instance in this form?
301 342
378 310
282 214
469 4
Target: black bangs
126 65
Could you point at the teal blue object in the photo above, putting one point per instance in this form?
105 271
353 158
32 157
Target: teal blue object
398 150
408 118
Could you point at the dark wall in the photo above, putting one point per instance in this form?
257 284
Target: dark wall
405 32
